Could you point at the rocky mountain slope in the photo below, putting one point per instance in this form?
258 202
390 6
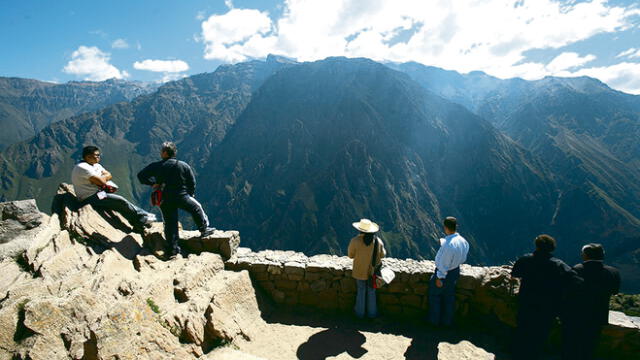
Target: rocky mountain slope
585 133
27 106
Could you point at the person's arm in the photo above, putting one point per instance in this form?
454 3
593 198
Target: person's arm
147 176
615 286
351 252
443 259
190 181
518 269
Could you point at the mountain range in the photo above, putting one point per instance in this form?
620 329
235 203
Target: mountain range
27 106
291 153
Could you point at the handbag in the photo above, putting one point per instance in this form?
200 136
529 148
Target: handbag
382 275
156 197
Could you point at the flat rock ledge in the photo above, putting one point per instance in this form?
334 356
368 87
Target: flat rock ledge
485 295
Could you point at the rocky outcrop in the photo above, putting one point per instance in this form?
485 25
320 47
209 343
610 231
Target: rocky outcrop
86 287
19 225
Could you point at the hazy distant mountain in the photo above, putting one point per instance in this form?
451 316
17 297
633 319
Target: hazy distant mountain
290 154
27 106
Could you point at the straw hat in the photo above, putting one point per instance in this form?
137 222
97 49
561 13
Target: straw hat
366 226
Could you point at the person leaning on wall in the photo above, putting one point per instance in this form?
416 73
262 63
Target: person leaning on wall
361 250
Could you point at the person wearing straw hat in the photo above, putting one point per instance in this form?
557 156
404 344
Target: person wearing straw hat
361 250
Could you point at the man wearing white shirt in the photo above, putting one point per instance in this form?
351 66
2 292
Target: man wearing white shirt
89 178
442 287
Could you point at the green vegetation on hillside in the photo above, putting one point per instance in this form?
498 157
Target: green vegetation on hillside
627 303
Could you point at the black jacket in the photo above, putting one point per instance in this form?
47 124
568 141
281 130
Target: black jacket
176 176
590 301
545 280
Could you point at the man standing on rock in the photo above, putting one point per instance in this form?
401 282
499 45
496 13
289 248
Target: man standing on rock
176 181
587 309
90 179
442 288
545 280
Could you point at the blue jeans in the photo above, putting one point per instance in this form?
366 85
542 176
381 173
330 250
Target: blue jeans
442 301
366 297
134 215
169 208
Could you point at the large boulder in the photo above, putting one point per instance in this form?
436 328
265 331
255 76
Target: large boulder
19 224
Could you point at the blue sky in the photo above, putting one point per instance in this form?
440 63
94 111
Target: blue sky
162 40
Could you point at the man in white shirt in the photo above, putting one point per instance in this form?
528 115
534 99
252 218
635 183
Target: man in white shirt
442 287
89 179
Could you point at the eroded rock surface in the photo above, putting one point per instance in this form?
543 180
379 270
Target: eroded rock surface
86 287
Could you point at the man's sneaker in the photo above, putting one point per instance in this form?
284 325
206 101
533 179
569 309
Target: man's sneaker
207 232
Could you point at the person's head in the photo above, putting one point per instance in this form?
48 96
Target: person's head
592 252
91 154
169 150
545 243
450 225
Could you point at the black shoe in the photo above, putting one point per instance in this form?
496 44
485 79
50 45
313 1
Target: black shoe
207 232
176 250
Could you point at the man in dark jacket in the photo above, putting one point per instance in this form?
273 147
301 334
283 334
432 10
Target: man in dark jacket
587 310
542 290
175 179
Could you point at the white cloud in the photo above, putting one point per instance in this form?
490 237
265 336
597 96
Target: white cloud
93 64
630 53
201 15
623 76
237 35
168 66
463 35
568 60
120 44
171 77
228 4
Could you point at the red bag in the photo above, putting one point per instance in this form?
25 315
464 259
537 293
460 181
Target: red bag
156 197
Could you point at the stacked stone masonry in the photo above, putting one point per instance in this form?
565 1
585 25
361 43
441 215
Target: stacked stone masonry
484 294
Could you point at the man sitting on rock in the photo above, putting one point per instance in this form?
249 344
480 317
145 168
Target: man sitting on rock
92 184
177 183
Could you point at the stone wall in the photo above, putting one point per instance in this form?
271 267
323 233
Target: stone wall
325 282
485 295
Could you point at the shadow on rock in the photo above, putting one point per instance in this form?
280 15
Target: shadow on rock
332 342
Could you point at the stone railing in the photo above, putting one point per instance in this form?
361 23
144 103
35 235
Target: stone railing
484 294
325 282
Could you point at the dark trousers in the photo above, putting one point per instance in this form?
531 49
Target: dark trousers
169 208
579 339
442 301
532 331
134 215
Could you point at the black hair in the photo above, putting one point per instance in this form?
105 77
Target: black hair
368 238
545 243
170 148
451 223
89 150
